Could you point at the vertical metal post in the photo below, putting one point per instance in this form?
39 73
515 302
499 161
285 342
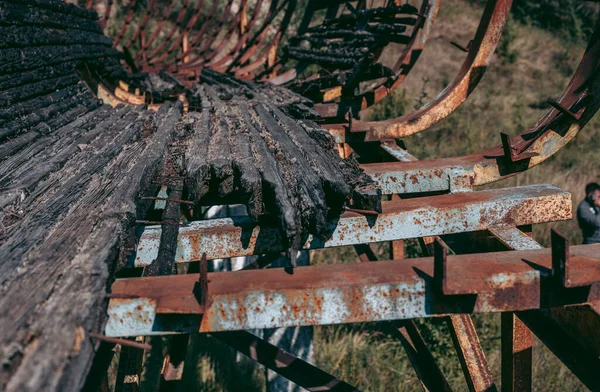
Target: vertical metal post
471 356
517 352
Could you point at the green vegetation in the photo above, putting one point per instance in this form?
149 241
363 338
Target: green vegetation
570 19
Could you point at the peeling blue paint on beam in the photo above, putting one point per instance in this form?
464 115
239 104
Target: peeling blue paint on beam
341 293
438 215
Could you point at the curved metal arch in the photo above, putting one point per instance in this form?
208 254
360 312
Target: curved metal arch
199 59
482 48
555 129
404 64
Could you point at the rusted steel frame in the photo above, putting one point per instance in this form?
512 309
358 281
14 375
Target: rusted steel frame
517 339
472 359
291 73
342 293
122 342
175 62
577 90
210 20
283 363
517 354
484 44
142 26
165 40
451 283
163 59
574 351
269 51
173 363
221 65
464 336
400 154
126 23
218 51
176 44
480 168
397 152
428 372
104 20
544 139
157 30
259 36
401 219
404 64
213 27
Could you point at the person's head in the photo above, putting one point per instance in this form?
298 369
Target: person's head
592 191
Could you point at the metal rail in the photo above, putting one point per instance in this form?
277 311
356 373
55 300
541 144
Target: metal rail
411 218
347 293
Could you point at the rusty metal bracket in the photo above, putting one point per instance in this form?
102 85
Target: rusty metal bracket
568 270
440 254
510 153
201 288
558 106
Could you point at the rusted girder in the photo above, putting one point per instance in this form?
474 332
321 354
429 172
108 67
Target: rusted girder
405 62
343 293
472 359
555 328
480 53
401 219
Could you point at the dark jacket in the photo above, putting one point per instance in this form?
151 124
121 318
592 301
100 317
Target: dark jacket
588 217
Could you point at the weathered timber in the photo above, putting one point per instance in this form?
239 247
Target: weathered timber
88 212
33 57
20 14
250 143
75 176
25 36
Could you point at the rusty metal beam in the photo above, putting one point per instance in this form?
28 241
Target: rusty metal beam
574 351
471 72
517 339
428 372
517 354
343 293
464 336
472 359
401 219
571 333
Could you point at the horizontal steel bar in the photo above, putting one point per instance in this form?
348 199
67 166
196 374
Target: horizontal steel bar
341 293
450 174
401 219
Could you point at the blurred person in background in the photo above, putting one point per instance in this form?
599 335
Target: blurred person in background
588 214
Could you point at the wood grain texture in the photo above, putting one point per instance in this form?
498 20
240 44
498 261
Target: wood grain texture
76 174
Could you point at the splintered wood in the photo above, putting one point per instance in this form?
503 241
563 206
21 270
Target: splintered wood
76 174
257 145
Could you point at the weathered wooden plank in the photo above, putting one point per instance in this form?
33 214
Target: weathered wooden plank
276 194
44 344
29 14
17 36
12 61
